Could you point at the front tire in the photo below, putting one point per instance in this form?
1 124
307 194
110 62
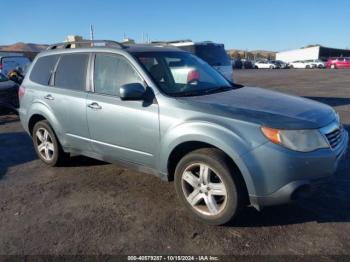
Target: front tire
205 185
46 144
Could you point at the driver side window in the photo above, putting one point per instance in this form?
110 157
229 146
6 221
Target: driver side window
111 72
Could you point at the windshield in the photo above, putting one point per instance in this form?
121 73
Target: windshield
3 78
214 55
182 74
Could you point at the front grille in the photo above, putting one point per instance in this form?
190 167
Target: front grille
334 137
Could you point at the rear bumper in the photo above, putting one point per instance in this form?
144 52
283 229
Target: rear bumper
281 176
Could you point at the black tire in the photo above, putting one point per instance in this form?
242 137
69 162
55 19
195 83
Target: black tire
291 67
58 156
215 160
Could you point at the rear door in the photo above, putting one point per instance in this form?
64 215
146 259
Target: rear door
120 130
67 99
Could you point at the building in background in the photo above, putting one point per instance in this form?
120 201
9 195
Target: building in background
311 53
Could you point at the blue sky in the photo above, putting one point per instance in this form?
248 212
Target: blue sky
250 24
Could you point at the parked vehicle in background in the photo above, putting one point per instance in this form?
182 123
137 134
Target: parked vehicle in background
225 145
247 64
8 63
339 62
8 93
237 63
279 64
212 53
301 65
265 64
318 63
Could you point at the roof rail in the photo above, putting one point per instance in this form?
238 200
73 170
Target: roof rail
86 43
172 42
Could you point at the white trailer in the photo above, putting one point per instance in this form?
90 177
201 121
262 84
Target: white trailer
302 54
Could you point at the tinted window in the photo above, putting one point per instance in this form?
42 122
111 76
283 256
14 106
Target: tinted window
214 55
43 68
71 72
111 72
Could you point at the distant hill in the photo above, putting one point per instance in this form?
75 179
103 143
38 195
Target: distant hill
253 54
23 47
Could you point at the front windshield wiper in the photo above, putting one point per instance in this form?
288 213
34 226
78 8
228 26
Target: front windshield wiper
217 89
203 92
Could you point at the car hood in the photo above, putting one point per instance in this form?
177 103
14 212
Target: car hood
264 107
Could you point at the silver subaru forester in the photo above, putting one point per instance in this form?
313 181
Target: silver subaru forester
167 112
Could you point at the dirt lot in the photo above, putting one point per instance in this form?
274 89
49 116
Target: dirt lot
92 207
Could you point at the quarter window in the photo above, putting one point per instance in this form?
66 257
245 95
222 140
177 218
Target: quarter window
71 72
43 69
111 72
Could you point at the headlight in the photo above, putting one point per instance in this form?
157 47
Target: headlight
298 140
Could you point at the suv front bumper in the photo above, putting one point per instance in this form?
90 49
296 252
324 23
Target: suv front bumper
281 175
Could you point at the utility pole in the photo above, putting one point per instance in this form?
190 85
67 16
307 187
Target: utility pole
92 34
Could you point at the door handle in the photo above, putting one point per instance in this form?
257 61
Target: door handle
49 97
95 106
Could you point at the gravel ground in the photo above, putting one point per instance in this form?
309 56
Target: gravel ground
91 207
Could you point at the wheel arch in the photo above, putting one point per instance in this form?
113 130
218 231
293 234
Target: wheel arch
40 112
186 147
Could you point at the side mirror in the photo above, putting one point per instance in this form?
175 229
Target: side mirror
133 91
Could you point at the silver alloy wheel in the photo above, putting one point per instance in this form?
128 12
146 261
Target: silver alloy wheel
204 189
333 66
44 144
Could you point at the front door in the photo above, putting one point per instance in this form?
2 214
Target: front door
120 130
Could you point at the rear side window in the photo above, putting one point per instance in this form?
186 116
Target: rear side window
43 69
71 72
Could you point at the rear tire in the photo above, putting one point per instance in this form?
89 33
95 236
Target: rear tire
47 146
206 186
333 66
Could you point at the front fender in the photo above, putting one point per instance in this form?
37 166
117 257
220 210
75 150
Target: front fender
224 139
